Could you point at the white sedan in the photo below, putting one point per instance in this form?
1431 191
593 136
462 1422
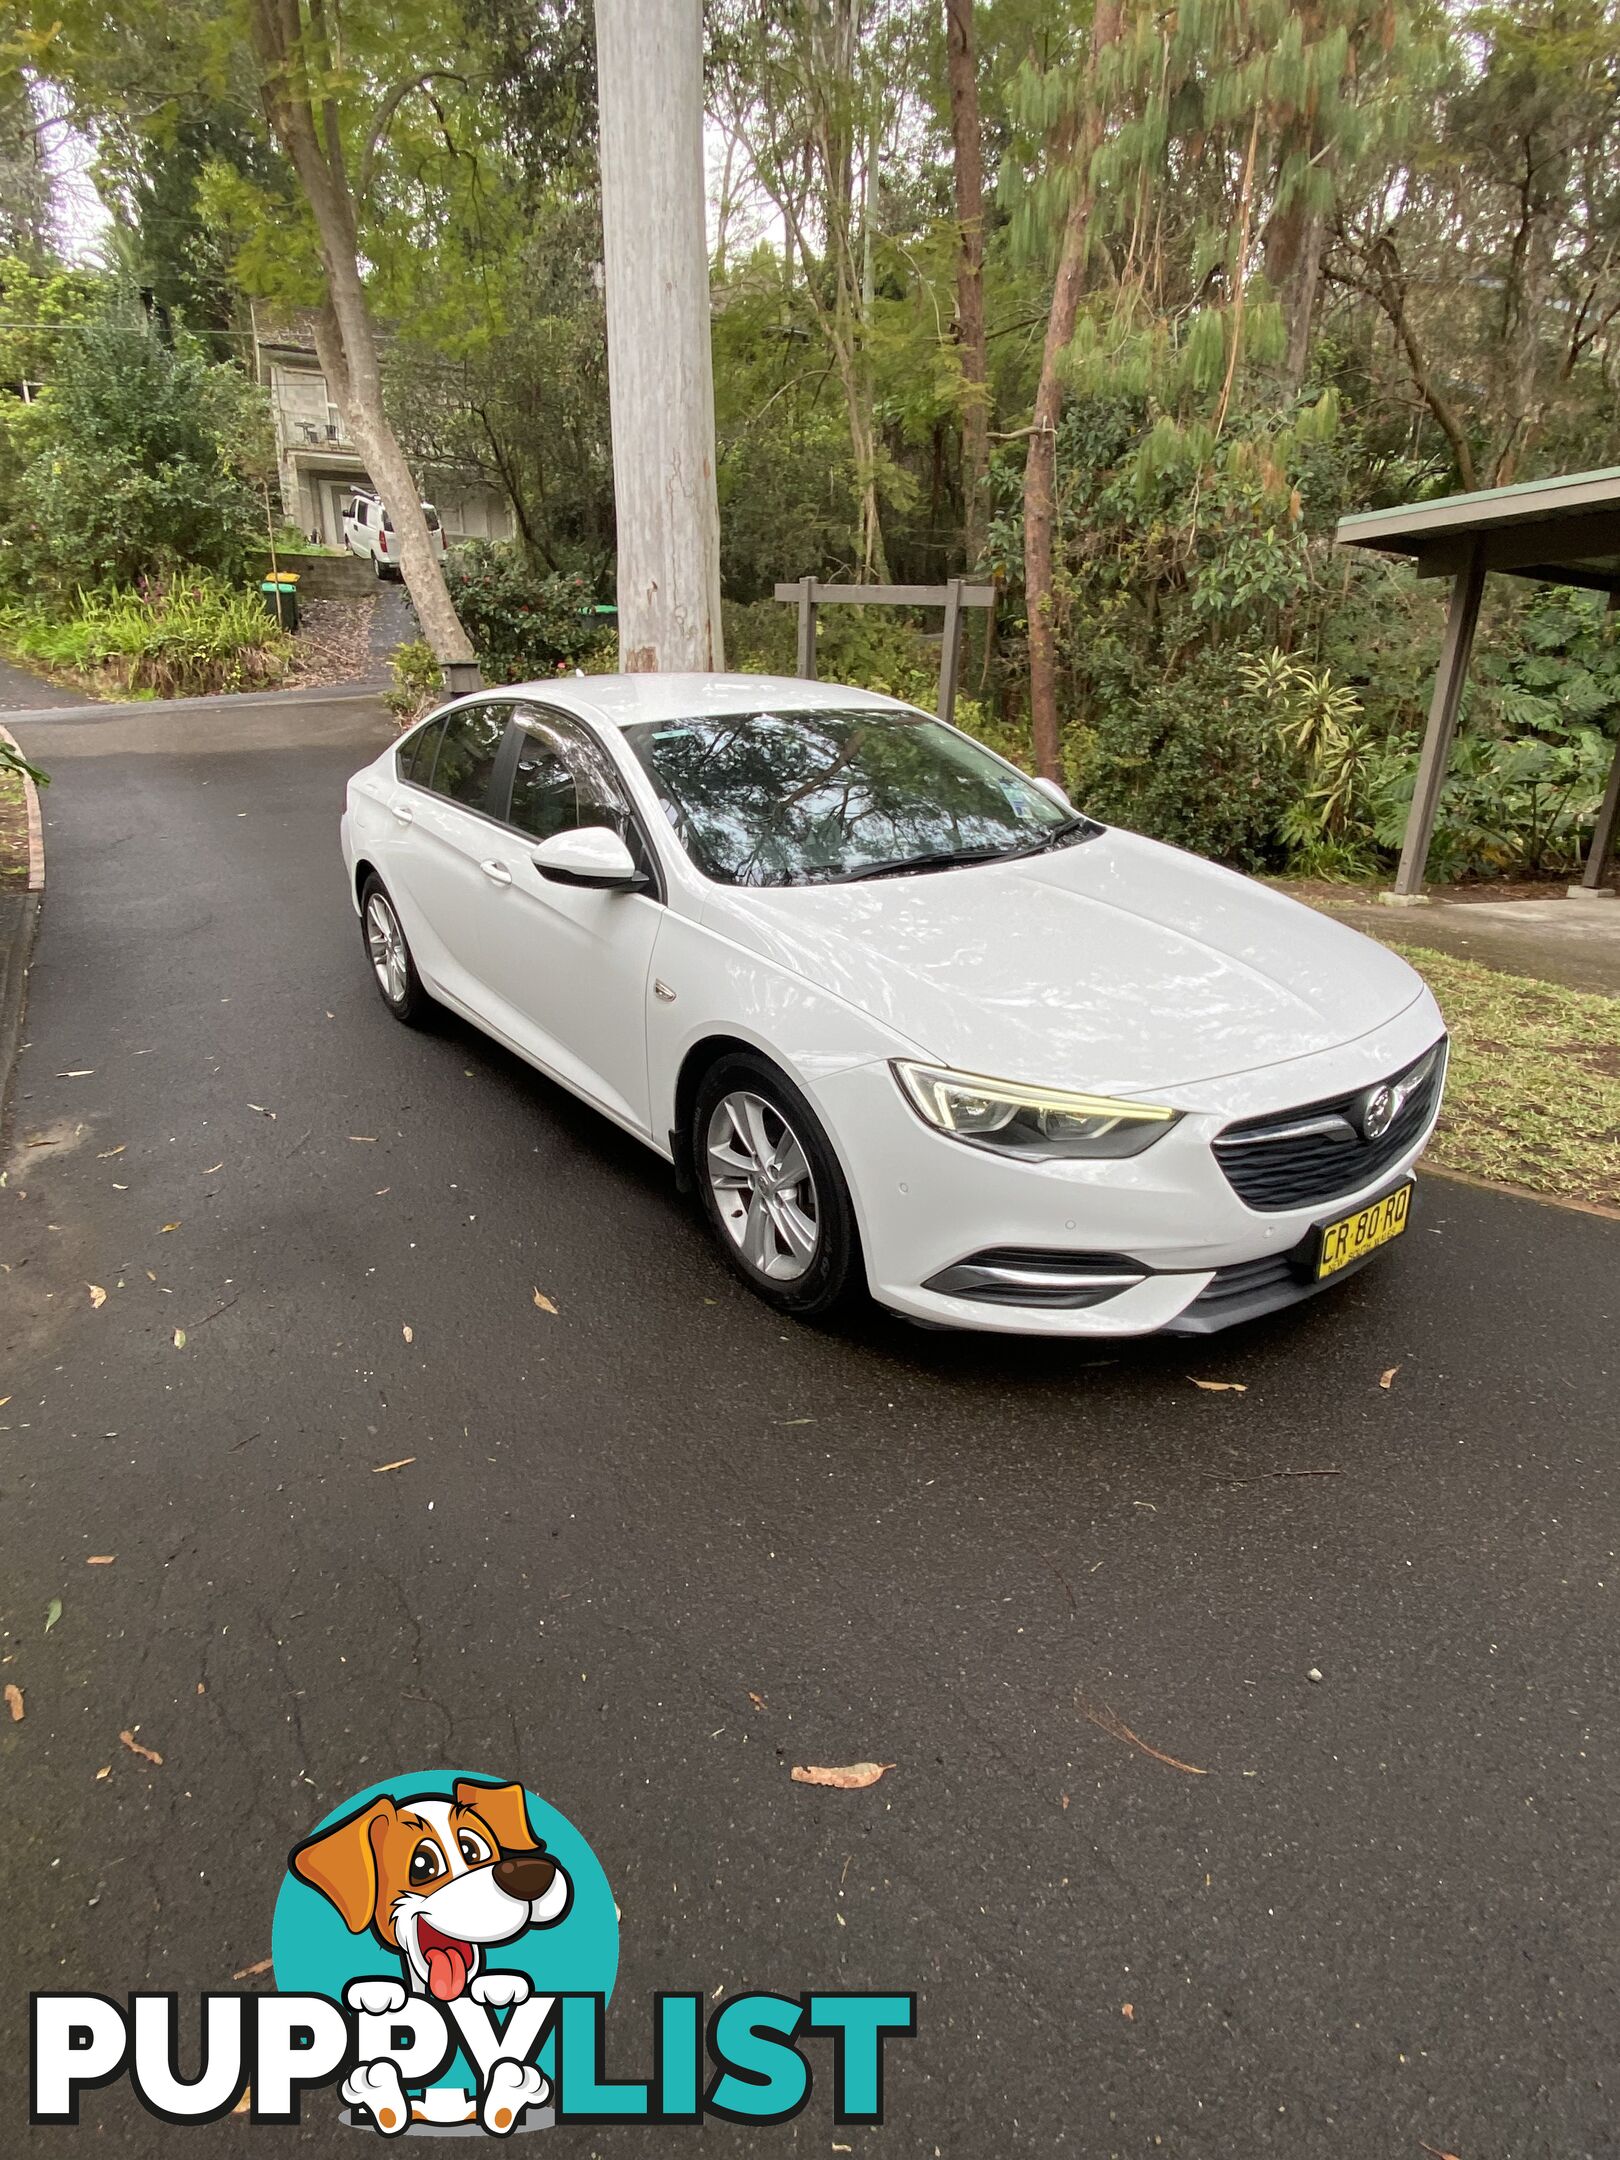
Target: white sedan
901 1015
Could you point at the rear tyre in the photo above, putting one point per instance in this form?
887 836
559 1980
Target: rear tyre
772 1189
392 968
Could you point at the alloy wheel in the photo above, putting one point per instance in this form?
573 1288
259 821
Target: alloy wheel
385 942
763 1189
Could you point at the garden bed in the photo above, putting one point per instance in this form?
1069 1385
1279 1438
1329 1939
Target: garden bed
13 832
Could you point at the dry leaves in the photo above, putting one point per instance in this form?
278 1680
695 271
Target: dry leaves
263 1112
1387 1380
1128 2011
1221 1387
365 1139
107 1154
14 1702
146 1754
758 1701
179 1338
377 1469
53 1613
167 1227
252 1972
1438 2154
406 1332
852 1777
212 1167
100 1559
544 1302
98 1296
1104 1719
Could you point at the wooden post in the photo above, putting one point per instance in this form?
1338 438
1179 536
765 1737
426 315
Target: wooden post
1608 817
649 60
1461 619
950 649
807 628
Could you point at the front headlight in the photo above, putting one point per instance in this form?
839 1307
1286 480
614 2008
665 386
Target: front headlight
1040 1123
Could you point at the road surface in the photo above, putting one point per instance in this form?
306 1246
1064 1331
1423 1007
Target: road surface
653 1549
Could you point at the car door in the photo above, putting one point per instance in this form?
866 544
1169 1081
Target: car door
569 966
444 874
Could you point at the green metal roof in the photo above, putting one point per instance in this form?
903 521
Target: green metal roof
1565 530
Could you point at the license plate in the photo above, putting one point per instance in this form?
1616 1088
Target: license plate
1352 1237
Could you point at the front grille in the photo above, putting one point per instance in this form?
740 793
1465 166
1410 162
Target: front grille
1245 1279
1317 1152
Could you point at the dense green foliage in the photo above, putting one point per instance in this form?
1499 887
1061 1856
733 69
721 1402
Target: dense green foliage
195 637
1324 260
138 457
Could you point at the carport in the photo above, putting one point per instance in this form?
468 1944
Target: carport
1561 532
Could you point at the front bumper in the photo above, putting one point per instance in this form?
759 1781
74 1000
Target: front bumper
1189 1255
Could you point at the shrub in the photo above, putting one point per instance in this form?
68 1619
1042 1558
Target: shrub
138 460
1197 760
192 639
524 625
418 680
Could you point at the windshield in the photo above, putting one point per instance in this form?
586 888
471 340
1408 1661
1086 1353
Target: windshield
796 798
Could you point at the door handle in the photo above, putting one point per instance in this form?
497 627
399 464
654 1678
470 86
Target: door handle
496 872
403 813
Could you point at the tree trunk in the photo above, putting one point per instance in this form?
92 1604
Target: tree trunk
660 366
968 163
1040 467
291 54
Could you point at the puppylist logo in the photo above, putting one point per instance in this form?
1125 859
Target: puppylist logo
444 1949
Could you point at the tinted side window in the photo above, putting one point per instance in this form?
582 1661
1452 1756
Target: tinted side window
472 741
563 780
416 757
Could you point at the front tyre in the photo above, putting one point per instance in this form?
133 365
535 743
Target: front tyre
392 968
772 1189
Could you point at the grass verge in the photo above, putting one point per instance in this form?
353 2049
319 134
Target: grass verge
1534 1093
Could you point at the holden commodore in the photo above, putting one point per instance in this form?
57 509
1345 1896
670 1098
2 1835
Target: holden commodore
902 1015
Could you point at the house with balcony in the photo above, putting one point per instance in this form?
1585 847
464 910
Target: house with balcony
320 468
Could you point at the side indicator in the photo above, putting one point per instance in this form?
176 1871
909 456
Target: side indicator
662 990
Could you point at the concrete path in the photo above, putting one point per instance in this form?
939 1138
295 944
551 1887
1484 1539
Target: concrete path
1570 940
652 1550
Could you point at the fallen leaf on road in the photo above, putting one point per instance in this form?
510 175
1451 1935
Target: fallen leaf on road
377 1469
14 1702
100 1559
1128 2010
1387 1380
146 1754
366 1139
107 1154
544 1302
1105 1720
263 1112
212 1167
381 1190
150 1276
53 1613
82 1072
202 1687
1222 1387
168 1226
104 1771
98 1296
409 1337
252 1972
179 1338
758 1701
852 1777
1438 2154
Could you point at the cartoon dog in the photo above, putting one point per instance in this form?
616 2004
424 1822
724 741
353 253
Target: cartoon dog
438 1882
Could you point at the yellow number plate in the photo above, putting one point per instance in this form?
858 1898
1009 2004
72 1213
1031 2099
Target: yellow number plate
1353 1236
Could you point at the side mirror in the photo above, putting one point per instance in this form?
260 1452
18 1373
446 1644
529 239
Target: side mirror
593 856
1051 788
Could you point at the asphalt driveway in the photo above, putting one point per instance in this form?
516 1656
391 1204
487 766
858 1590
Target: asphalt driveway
652 1549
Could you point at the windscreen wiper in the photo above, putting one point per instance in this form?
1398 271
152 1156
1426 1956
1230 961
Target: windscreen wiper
1070 829
903 865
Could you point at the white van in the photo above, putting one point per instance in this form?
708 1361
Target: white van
368 531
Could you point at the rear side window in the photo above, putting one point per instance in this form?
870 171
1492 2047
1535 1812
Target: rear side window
466 760
416 756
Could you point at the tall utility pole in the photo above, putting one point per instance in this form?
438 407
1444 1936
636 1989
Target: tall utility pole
649 58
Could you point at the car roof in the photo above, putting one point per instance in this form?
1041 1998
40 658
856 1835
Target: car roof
622 700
